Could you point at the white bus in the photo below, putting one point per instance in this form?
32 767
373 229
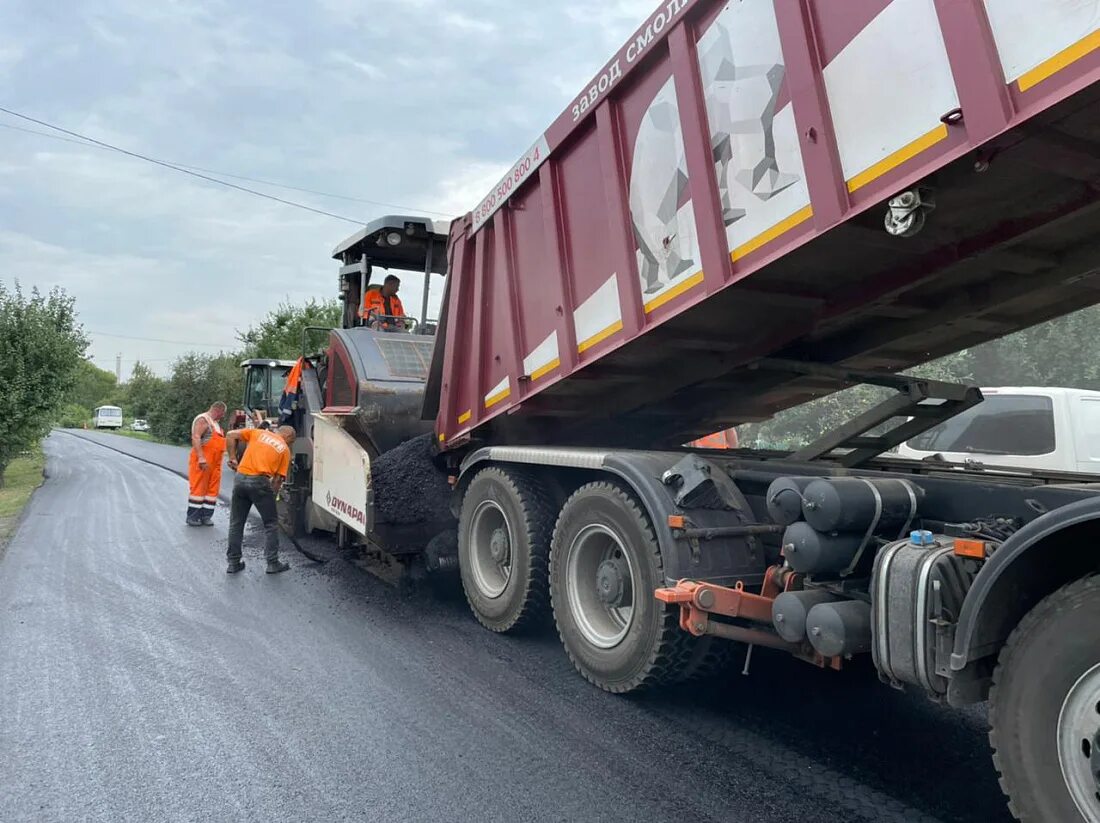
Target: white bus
107 417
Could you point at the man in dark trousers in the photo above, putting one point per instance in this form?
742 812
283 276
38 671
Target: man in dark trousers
260 473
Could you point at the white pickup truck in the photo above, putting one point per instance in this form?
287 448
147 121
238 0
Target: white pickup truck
1049 429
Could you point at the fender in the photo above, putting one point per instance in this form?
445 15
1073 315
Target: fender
1013 580
724 561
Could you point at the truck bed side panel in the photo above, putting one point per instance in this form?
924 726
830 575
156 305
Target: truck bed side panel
716 194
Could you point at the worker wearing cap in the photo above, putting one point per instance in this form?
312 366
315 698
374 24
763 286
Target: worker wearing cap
204 466
260 474
383 303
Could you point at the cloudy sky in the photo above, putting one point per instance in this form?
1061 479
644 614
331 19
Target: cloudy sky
419 104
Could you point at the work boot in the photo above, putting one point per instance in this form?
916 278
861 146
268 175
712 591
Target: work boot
277 566
194 520
207 518
234 567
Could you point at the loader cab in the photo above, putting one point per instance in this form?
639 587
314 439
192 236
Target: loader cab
264 381
393 244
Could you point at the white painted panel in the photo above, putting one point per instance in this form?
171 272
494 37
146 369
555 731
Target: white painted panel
500 387
1029 32
660 204
341 476
545 353
890 85
598 312
758 159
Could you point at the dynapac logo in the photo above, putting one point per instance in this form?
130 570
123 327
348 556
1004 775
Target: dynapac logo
341 507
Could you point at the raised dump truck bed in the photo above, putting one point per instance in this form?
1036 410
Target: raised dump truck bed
719 194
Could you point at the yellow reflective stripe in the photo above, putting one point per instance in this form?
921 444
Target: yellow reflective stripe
542 371
674 292
780 228
464 417
902 155
496 398
599 337
1059 61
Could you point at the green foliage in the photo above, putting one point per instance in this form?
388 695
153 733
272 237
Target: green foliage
1064 352
143 391
73 416
41 345
279 335
92 386
196 383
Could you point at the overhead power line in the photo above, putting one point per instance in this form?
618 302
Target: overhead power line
258 180
159 340
167 165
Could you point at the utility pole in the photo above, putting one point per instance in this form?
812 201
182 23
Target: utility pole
118 367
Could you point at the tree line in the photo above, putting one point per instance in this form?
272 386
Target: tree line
196 380
48 381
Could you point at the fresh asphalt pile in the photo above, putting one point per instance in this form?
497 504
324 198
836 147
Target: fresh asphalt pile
408 488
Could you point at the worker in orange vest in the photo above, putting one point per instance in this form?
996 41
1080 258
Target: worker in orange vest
719 440
380 304
204 467
260 475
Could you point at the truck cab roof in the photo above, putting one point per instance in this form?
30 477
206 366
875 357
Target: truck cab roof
398 242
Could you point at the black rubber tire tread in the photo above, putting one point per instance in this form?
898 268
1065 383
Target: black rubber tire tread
1023 655
538 510
672 647
711 658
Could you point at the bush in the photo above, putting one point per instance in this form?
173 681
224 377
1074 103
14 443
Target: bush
74 416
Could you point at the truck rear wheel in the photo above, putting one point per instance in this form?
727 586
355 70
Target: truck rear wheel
503 541
1045 709
605 564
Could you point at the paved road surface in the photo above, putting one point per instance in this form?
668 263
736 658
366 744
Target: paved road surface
139 682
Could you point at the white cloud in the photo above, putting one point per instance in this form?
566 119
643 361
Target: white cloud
422 103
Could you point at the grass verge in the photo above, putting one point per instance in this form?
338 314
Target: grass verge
23 476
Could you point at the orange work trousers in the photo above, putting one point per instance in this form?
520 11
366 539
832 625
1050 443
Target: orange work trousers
205 482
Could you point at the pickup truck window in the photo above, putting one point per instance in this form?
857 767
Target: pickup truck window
1002 424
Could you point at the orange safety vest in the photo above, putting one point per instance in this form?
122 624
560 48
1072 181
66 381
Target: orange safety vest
374 302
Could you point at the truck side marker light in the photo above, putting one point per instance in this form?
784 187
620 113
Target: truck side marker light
1059 61
599 337
674 292
464 417
902 155
677 521
780 228
970 548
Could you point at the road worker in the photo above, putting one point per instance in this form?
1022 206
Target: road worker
204 468
260 474
380 304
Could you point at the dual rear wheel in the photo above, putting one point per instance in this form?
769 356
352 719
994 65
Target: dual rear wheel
593 562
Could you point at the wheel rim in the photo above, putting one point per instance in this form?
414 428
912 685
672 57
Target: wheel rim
491 549
600 583
1079 743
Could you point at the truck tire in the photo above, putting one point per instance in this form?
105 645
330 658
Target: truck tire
1045 709
503 541
605 564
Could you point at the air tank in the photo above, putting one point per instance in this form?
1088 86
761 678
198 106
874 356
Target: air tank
784 499
849 504
811 552
790 610
840 629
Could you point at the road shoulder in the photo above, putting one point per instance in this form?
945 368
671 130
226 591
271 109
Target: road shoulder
22 477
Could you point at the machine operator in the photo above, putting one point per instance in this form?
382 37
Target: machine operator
382 304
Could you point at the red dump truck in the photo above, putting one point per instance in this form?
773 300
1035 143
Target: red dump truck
753 204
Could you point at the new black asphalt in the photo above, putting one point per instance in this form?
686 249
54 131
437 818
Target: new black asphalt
139 682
